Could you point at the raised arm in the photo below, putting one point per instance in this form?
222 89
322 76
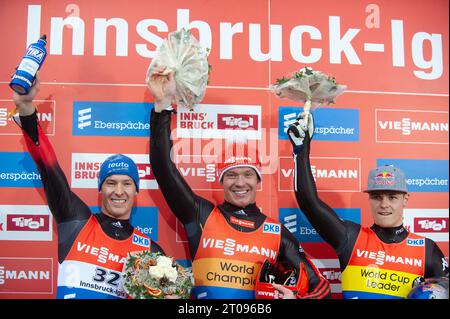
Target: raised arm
323 218
183 202
63 203
190 209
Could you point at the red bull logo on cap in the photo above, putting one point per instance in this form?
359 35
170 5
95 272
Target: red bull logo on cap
384 178
384 175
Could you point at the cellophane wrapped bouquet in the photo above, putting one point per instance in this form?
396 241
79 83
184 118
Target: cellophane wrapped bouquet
183 54
149 275
308 86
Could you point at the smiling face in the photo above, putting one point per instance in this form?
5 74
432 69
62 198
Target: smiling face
387 207
239 186
118 194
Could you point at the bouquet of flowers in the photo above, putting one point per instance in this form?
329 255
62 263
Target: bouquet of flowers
313 88
150 275
183 54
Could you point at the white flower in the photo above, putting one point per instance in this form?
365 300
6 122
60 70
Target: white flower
171 274
164 261
163 268
156 272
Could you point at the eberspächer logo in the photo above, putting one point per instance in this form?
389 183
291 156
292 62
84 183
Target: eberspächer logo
330 124
297 223
18 170
111 119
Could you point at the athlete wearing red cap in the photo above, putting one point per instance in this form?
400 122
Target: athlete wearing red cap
92 248
228 242
381 261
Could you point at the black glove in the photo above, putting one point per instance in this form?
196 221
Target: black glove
297 131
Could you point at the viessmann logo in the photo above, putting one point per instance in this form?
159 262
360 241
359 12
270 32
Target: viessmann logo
25 222
411 126
220 121
46 116
26 275
427 222
86 166
330 124
332 174
200 171
111 118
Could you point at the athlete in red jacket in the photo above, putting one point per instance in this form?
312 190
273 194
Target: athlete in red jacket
381 261
228 242
91 247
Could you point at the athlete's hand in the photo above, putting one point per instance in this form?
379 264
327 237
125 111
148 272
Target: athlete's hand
24 103
162 86
287 294
297 131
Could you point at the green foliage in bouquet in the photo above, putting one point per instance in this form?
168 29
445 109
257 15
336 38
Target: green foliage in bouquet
150 275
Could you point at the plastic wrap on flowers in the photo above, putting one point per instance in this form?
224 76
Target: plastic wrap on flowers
183 54
150 275
313 88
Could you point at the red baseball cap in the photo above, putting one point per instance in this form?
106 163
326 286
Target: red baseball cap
239 155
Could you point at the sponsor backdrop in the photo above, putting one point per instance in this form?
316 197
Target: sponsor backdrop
393 56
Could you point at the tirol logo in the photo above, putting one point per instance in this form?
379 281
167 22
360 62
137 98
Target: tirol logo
427 222
111 118
330 124
297 223
332 174
330 269
422 175
86 166
46 116
411 126
18 170
220 121
430 225
26 275
25 222
237 121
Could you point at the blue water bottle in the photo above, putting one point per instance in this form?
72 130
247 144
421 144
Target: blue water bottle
25 74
